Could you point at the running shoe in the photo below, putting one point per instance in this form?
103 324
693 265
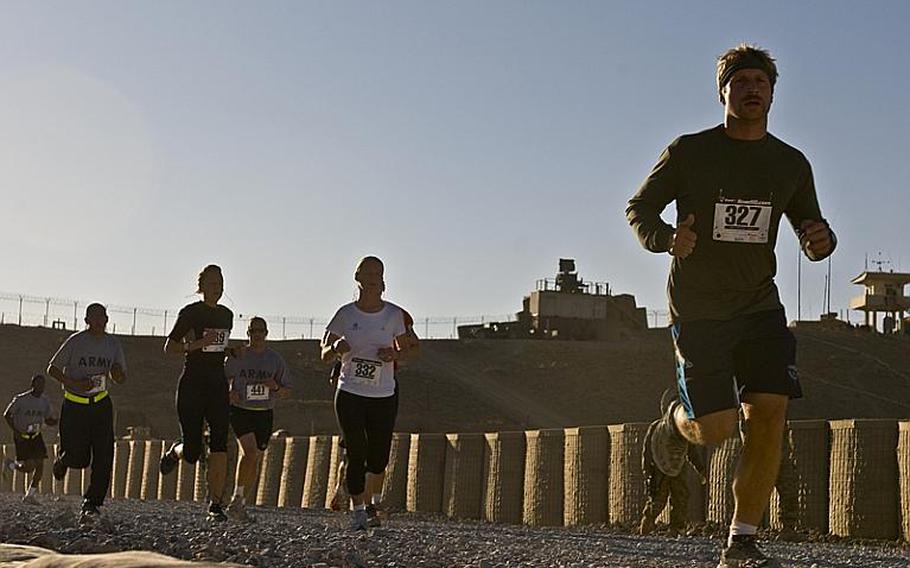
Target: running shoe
59 469
216 513
373 517
744 553
168 462
237 511
89 514
668 447
359 520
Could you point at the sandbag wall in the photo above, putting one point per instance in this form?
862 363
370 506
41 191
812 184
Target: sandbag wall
847 477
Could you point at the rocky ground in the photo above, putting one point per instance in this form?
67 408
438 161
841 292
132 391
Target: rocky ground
300 537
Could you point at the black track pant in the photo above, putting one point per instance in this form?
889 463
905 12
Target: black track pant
367 425
87 439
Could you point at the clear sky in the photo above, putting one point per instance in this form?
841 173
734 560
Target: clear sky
469 144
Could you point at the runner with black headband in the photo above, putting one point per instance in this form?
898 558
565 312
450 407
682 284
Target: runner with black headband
731 184
84 365
257 379
201 334
368 336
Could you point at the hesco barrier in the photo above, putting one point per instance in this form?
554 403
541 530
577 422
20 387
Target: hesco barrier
462 493
395 486
316 482
504 477
150 471
903 461
335 457
290 493
426 471
627 486
847 477
586 475
544 492
270 473
121 464
864 483
721 464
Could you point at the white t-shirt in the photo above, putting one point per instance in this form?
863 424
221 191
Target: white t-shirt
362 372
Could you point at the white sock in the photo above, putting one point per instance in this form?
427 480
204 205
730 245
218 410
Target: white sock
740 528
376 499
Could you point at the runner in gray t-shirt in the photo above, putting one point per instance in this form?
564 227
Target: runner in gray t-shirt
257 378
85 364
26 415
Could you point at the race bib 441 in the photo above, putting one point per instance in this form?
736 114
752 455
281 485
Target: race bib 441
742 221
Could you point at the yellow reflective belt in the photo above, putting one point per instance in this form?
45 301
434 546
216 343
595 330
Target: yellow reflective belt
84 399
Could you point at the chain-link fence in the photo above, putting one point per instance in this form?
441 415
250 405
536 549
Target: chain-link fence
25 310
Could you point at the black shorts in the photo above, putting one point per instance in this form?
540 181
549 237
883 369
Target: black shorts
30 449
719 361
259 422
202 399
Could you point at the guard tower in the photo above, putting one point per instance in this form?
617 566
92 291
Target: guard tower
884 293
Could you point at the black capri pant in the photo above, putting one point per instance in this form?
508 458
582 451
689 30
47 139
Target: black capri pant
202 399
367 425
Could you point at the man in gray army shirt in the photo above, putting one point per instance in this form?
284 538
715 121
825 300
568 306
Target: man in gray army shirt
26 415
84 364
257 378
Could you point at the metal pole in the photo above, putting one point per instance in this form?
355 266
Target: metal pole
20 310
284 334
133 331
426 327
75 314
311 328
165 322
47 309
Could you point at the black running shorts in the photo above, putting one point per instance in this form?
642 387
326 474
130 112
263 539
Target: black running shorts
719 361
257 422
30 449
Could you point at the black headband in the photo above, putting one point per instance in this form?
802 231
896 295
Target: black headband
747 61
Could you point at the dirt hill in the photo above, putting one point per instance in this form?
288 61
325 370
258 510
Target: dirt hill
486 385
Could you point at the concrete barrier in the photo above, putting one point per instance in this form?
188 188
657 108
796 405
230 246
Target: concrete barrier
462 491
504 474
150 470
290 492
903 460
270 476
864 479
426 472
119 473
721 466
135 469
316 482
586 475
627 489
395 486
544 492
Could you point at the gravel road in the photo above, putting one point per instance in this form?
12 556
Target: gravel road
301 537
